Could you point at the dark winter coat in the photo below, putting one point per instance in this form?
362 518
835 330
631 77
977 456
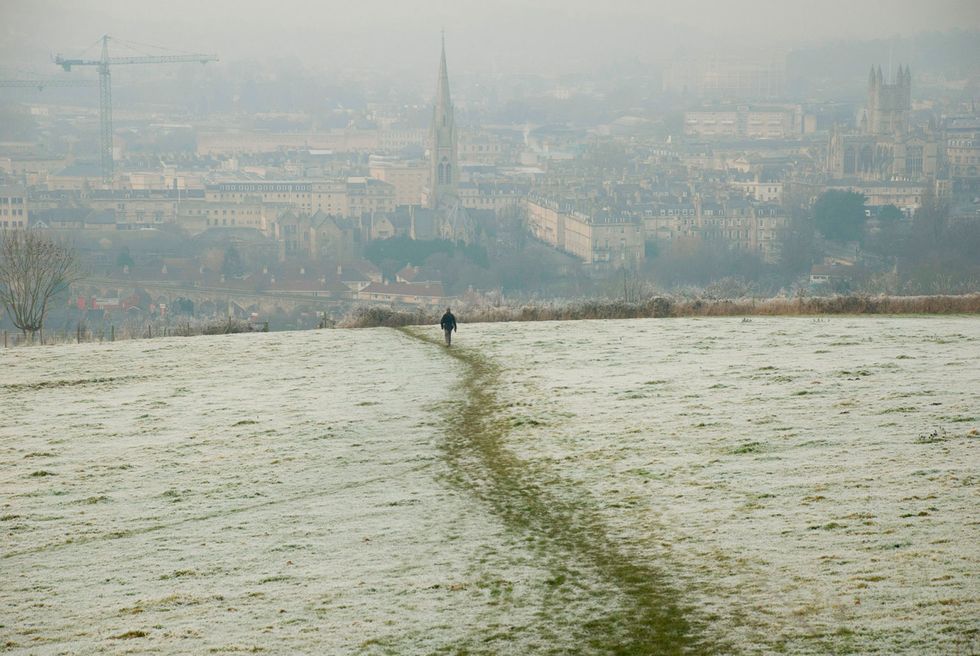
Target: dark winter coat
448 321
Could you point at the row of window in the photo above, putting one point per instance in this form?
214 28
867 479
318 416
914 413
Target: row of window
12 200
224 222
14 212
223 212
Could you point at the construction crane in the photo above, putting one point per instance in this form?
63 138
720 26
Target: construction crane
105 89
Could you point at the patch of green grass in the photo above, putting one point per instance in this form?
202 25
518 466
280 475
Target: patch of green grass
748 447
178 574
47 384
89 501
900 409
859 373
525 421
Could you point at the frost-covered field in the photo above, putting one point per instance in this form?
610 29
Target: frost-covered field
815 484
278 493
804 486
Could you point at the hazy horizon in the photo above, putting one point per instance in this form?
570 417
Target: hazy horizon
505 37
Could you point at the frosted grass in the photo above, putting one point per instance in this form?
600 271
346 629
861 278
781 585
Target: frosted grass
811 483
279 493
808 487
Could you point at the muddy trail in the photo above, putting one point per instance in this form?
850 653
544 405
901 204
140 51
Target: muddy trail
604 600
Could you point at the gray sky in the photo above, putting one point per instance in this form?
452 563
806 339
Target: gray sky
501 35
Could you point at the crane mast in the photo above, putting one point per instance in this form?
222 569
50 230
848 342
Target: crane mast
104 64
105 115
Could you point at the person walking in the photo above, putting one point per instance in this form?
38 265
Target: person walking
448 324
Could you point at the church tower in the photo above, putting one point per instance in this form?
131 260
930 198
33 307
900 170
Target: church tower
889 104
443 165
452 221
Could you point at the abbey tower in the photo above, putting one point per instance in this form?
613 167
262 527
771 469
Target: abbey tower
889 104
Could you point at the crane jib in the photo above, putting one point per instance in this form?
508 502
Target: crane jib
105 91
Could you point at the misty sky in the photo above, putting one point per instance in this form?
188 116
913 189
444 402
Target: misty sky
483 35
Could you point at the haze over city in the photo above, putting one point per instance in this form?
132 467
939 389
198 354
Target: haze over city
432 327
505 36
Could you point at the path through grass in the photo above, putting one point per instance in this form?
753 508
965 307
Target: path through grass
645 616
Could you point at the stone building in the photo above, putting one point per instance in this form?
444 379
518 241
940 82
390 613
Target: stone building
962 156
740 224
889 104
408 177
743 121
603 241
885 148
14 214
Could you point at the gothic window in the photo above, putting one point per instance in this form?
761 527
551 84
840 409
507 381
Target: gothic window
850 161
913 161
449 173
866 163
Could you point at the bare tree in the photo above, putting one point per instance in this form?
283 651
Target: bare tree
33 268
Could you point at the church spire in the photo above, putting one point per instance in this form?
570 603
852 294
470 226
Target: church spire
444 105
443 171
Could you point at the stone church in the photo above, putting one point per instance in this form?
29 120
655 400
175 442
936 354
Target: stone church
886 147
